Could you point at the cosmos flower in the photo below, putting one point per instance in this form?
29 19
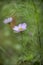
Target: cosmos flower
20 27
8 20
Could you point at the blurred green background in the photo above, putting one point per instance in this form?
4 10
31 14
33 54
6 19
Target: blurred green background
25 48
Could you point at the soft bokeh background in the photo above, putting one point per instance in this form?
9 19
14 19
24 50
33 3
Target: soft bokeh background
25 48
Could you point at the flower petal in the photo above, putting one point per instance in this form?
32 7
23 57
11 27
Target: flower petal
5 21
16 29
24 25
8 20
20 25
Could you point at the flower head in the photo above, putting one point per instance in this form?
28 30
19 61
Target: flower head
20 27
8 20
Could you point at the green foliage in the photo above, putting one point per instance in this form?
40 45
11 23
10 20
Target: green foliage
17 47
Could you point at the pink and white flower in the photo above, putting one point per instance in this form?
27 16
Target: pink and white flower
8 20
20 27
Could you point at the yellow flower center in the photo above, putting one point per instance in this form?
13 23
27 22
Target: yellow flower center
20 29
